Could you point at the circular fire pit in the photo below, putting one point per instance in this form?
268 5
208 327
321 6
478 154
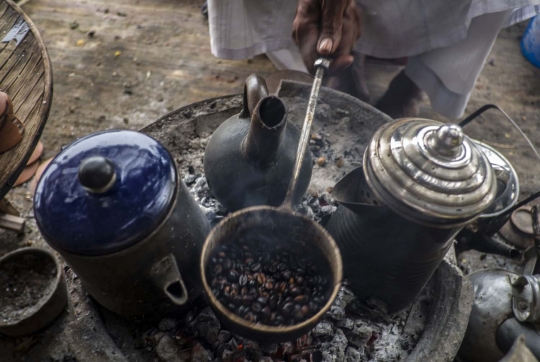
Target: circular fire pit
434 325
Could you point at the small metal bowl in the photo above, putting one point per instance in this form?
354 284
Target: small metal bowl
32 291
294 227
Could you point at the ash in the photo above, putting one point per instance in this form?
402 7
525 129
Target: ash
350 331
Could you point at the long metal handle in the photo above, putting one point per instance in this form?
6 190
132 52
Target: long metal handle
470 118
322 65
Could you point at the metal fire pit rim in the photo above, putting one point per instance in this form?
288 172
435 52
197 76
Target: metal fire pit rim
259 327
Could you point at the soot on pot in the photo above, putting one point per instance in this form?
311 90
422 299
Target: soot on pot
265 280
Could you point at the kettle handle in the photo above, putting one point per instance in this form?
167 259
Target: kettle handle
167 278
255 89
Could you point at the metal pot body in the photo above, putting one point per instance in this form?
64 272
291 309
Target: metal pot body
158 275
386 256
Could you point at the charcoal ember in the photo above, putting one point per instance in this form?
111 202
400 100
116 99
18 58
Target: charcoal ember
336 312
324 329
190 179
168 350
361 334
354 355
284 349
201 187
209 212
269 348
224 336
207 326
303 342
346 323
324 113
201 354
328 210
345 295
252 351
167 325
334 350
312 356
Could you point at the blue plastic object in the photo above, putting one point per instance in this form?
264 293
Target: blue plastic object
77 221
530 43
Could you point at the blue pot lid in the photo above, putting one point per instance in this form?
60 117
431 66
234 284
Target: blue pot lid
105 192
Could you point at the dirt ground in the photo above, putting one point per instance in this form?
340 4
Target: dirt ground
123 64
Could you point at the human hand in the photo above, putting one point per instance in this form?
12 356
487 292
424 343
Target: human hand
327 28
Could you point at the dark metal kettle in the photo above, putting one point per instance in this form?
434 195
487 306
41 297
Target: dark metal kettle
249 159
113 205
420 183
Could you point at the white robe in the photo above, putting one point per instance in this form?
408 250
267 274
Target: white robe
447 42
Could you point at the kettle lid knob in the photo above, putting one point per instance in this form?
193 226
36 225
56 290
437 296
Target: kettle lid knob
449 136
96 174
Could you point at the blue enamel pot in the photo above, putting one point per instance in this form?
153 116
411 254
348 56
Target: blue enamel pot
112 204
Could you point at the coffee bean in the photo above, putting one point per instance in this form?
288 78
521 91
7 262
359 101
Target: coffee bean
247 299
272 302
251 317
237 300
287 309
249 261
281 267
255 267
222 254
269 285
242 280
227 291
261 278
243 309
262 300
232 276
286 275
313 307
294 290
299 280
256 307
298 315
305 310
300 299
318 300
217 269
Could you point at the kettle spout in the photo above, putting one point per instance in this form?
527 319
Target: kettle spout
268 121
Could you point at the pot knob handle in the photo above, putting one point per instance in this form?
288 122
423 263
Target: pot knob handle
97 174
